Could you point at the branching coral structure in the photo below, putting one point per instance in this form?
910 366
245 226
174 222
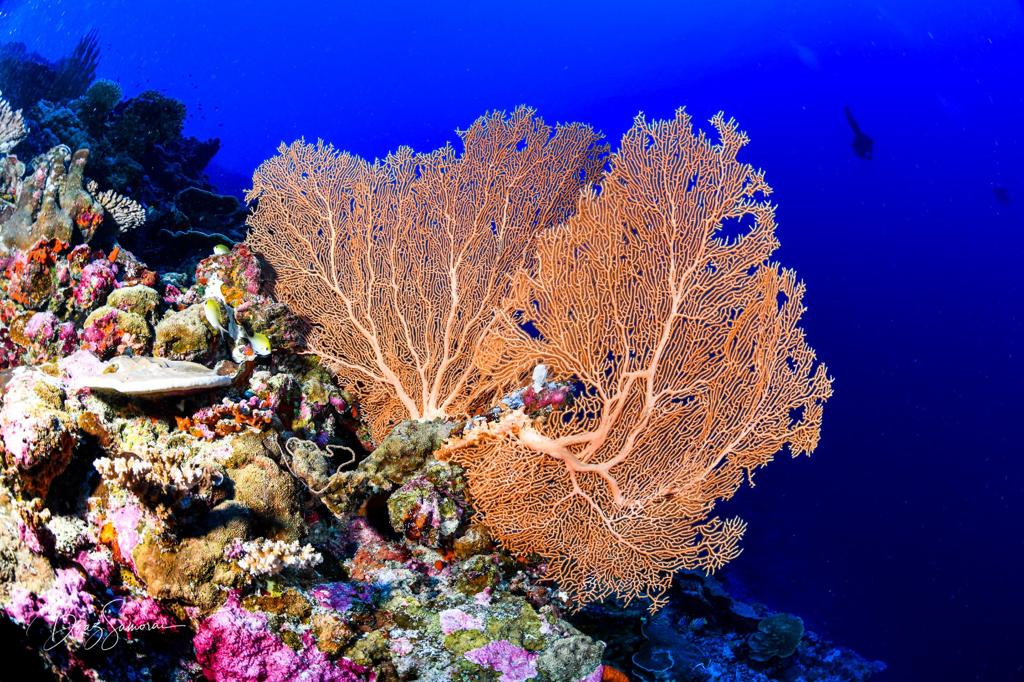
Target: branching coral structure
401 264
437 283
659 298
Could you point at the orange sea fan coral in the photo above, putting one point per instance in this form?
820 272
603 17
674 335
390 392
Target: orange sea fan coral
692 370
401 264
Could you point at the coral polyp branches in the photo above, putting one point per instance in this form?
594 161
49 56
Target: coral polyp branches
12 126
402 263
127 213
264 558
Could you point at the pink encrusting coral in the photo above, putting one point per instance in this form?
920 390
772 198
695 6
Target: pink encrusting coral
98 279
237 645
66 606
98 564
142 614
453 620
125 520
515 663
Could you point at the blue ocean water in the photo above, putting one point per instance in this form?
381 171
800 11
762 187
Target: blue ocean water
901 536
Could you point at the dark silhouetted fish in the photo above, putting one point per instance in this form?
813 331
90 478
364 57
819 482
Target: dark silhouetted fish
1002 194
862 144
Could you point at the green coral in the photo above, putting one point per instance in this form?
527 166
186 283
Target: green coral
524 630
185 335
777 636
461 641
138 299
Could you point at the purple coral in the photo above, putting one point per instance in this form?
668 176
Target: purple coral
9 351
41 326
66 605
236 645
515 664
24 606
453 620
341 596
141 614
98 279
49 337
98 564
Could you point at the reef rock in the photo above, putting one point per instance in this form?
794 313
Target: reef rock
37 434
186 335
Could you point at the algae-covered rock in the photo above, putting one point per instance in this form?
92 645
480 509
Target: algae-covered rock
138 299
186 335
398 458
193 569
440 635
429 508
407 448
272 496
37 433
262 315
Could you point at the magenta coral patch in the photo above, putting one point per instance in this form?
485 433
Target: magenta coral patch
236 645
453 620
340 596
125 521
67 605
144 614
514 663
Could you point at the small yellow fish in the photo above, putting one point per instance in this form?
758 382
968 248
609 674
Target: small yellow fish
221 249
260 344
215 314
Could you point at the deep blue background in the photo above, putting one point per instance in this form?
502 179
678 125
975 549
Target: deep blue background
902 536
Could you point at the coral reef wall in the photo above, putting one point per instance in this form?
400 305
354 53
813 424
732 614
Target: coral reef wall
136 149
187 493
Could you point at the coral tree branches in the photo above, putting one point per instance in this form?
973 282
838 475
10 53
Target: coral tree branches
402 264
659 298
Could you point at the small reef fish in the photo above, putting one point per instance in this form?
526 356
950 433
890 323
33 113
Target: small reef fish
221 249
215 315
260 344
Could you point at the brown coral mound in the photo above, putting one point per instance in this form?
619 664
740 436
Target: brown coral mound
692 368
401 264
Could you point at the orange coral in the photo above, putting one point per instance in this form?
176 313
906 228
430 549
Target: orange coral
401 264
691 366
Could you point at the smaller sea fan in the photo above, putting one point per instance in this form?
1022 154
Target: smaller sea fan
127 213
12 126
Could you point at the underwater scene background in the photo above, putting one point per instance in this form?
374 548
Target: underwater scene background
891 135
